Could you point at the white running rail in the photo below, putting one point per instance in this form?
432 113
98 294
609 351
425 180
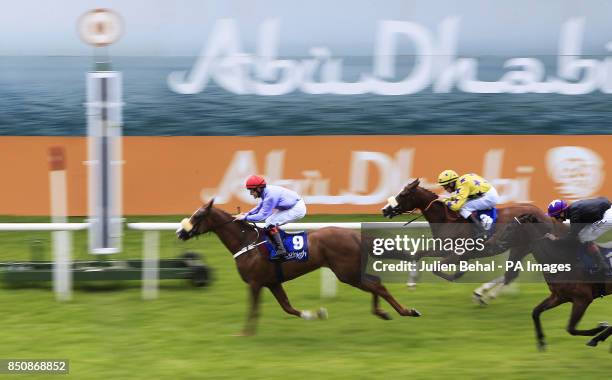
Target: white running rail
62 249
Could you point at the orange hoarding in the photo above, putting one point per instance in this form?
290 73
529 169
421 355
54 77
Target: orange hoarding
335 174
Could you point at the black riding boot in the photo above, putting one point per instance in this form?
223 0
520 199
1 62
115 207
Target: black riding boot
278 242
600 273
479 231
593 250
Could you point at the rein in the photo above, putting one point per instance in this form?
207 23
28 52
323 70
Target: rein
251 245
418 216
534 239
221 224
245 248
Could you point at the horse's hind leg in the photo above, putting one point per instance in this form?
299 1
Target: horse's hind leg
492 289
485 292
601 337
378 289
578 309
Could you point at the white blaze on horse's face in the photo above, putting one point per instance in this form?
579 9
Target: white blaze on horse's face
391 202
186 225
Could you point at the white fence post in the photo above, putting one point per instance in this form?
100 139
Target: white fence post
62 251
150 267
62 272
329 283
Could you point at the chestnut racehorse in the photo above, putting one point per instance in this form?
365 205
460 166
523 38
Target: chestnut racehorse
331 247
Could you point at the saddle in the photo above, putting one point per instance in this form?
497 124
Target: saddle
296 245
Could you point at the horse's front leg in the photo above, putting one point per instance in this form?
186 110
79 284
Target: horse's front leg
601 336
454 259
516 255
250 325
579 306
548 303
417 256
449 277
282 299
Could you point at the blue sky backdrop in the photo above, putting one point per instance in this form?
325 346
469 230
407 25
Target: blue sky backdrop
348 27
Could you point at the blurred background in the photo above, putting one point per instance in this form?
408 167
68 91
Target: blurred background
344 102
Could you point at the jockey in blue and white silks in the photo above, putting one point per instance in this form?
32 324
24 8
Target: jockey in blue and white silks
278 206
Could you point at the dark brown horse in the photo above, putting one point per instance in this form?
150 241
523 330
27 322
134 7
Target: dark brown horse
445 223
575 286
335 248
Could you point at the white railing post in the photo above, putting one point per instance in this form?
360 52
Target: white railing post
62 271
62 251
150 266
329 283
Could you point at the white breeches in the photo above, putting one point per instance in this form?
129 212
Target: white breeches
487 201
282 217
595 230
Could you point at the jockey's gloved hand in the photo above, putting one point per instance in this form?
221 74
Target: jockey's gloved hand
239 217
550 236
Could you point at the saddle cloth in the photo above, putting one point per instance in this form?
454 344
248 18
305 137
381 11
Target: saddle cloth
296 245
605 251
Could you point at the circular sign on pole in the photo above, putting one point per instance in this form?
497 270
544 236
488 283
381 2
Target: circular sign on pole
100 27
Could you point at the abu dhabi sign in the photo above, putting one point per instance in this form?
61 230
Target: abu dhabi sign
436 65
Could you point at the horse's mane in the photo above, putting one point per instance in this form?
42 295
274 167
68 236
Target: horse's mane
241 223
427 191
550 251
452 215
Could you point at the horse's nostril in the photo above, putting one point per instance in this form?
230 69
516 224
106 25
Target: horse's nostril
182 234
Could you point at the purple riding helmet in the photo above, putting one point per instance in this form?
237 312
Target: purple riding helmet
556 207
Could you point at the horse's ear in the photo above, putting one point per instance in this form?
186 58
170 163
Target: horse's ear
413 184
209 204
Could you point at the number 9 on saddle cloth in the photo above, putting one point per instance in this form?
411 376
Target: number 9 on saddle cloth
296 245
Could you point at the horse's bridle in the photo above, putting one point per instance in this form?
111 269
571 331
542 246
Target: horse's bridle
245 248
423 210
251 245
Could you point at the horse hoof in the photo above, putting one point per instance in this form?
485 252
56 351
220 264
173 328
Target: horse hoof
322 313
603 324
414 313
411 285
541 346
479 299
308 315
592 343
383 315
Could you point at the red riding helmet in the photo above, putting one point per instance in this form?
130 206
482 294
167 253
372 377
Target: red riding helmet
255 182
